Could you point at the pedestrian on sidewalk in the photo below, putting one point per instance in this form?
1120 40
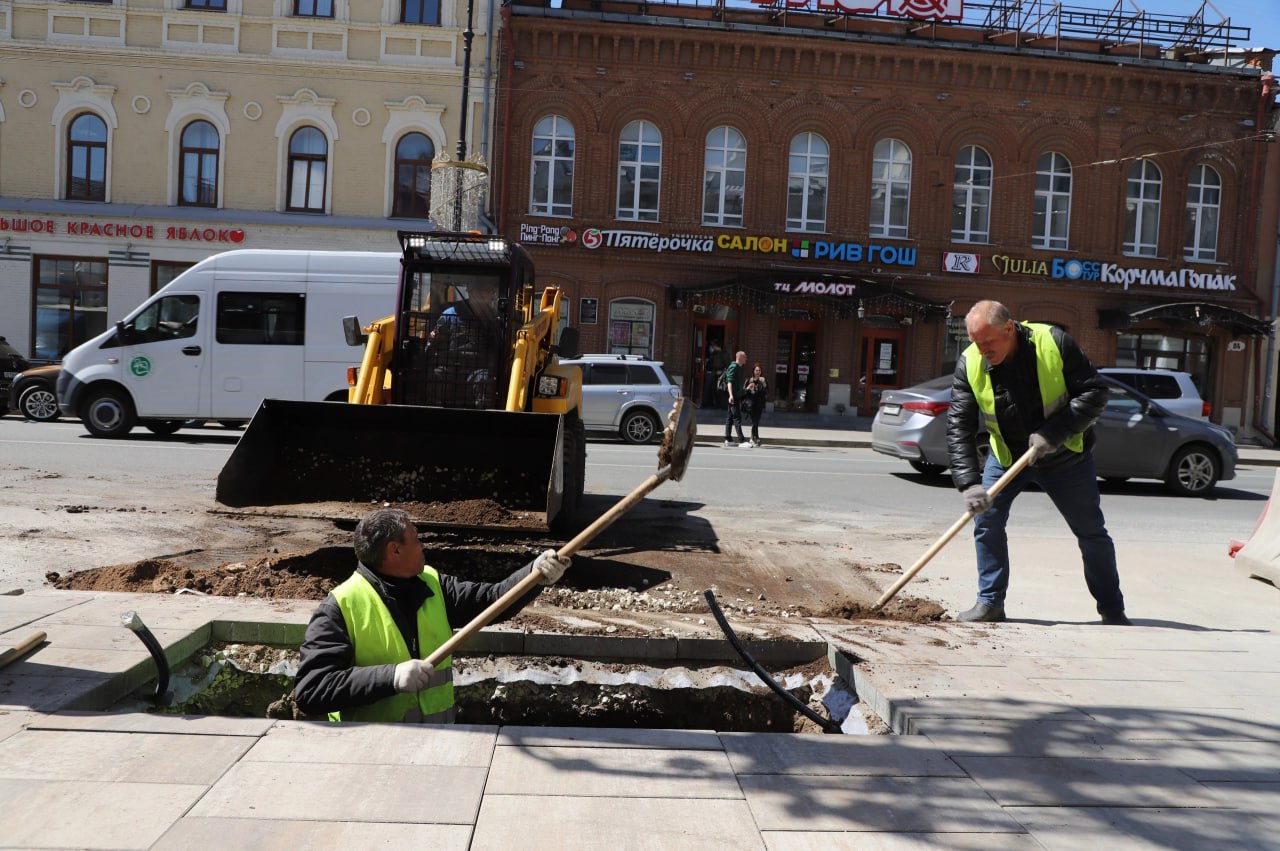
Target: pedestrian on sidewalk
363 655
1033 388
735 378
714 364
755 394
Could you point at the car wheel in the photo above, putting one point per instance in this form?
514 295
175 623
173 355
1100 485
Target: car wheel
638 427
927 469
164 428
1193 471
38 403
108 413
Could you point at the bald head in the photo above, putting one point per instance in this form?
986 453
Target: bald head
992 330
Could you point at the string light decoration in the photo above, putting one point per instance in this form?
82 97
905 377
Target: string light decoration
458 192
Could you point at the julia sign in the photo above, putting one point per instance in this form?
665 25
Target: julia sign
925 10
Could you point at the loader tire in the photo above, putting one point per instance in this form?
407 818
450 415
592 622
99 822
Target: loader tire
575 476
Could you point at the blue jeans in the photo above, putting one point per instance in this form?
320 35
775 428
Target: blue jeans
1074 491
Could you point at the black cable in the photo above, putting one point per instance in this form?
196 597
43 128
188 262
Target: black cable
131 621
827 725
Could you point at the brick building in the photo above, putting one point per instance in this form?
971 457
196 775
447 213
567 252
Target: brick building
831 193
139 137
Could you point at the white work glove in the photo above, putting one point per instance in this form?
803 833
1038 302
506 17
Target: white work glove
414 675
976 499
551 566
1041 447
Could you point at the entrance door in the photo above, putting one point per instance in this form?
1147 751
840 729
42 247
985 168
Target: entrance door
881 367
702 376
795 378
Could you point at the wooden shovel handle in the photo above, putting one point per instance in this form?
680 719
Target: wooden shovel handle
1009 475
22 648
597 526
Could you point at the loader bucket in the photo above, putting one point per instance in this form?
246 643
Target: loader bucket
447 467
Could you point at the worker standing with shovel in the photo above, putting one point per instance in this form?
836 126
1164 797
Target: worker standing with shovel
1038 396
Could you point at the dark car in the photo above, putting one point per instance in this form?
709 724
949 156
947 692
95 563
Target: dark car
11 363
34 393
1137 438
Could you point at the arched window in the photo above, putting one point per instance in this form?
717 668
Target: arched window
308 163
724 177
414 153
87 158
551 187
1142 210
890 189
1204 200
639 171
1053 202
807 173
198 165
971 196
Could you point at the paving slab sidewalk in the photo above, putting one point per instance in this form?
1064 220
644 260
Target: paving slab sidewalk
1015 735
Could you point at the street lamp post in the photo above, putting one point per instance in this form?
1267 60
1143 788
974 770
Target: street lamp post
467 35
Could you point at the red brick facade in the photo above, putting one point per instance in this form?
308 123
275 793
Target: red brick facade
601 71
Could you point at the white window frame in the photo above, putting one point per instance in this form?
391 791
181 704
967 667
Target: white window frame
1142 209
724 176
647 139
557 168
971 195
196 102
82 94
808 172
1051 202
1198 207
891 189
305 107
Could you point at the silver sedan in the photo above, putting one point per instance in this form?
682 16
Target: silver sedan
1136 438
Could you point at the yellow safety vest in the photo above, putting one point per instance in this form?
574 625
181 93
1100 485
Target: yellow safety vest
377 641
1053 388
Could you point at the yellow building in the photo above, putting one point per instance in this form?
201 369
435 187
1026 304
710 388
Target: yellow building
139 137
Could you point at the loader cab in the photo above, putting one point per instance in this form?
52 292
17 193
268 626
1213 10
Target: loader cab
461 302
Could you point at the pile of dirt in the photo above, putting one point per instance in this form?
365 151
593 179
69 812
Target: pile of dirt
906 609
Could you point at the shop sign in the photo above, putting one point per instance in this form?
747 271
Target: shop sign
854 252
760 244
836 288
597 238
119 230
961 264
923 10
534 234
1071 269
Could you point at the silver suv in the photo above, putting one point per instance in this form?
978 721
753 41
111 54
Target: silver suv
626 395
1175 391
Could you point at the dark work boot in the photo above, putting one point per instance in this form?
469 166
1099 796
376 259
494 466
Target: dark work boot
983 613
1115 617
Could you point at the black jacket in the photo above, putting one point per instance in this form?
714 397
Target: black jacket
1019 409
328 680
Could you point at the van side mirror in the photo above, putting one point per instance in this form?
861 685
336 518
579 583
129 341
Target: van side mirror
126 333
351 330
569 343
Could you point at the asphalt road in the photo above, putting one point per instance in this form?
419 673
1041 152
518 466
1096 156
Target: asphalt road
69 500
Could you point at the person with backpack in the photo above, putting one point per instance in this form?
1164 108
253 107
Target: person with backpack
713 376
734 379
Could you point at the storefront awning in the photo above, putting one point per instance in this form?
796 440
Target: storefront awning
1186 313
843 296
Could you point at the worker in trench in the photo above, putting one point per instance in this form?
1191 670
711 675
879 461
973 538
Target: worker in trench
364 650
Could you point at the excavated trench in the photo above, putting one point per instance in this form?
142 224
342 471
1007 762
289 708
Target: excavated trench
257 680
